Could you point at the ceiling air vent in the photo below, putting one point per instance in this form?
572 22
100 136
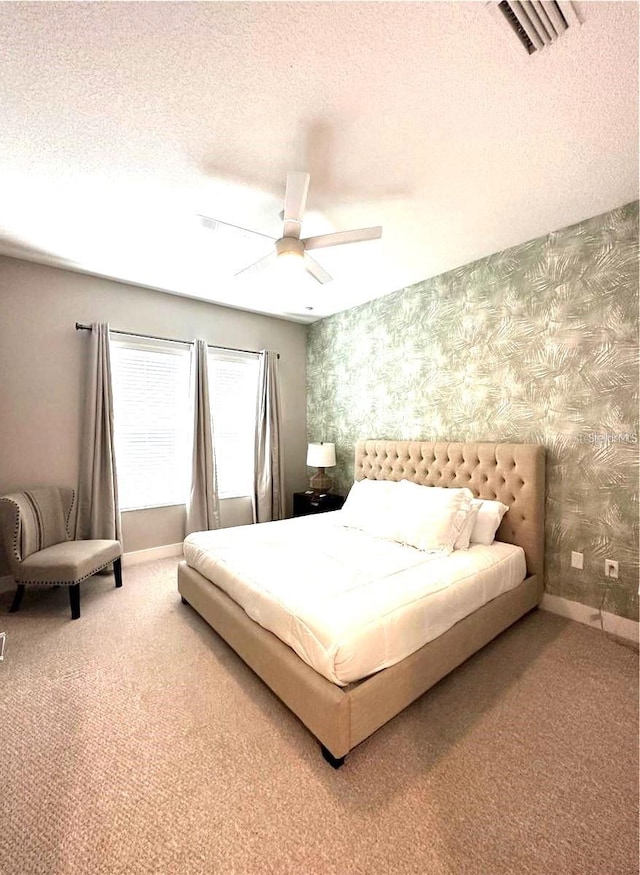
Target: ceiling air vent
538 23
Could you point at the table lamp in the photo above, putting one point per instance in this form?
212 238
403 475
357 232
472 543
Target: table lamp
321 456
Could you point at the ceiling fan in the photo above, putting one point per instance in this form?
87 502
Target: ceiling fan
290 247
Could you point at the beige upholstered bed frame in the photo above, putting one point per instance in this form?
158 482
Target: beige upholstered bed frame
342 717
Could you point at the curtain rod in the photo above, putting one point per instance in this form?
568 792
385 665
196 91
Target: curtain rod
81 327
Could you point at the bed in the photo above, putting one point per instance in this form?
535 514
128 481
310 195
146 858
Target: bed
342 713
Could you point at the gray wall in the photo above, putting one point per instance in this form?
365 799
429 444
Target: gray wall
42 366
537 344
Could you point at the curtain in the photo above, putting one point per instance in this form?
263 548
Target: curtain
98 510
268 491
203 508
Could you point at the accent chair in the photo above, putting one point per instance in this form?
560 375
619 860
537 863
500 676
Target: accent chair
34 526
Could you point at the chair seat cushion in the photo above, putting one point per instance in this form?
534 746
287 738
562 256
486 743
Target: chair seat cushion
68 562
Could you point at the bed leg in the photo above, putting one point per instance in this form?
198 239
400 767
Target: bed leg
184 601
334 762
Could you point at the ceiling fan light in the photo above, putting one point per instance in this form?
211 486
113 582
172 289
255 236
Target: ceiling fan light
290 266
289 257
289 246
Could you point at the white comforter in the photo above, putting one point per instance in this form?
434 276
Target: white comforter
347 603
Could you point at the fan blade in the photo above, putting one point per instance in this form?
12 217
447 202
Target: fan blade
317 272
258 265
339 237
216 224
295 201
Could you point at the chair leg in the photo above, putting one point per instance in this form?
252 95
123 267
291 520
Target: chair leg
15 605
117 570
74 600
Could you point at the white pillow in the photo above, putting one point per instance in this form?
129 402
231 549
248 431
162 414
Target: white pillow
430 518
462 541
370 506
489 518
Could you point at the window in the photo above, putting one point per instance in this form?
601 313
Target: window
152 421
233 386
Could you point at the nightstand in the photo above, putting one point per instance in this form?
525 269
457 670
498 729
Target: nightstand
305 503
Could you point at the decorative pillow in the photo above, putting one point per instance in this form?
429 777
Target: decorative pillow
489 518
430 518
370 506
462 541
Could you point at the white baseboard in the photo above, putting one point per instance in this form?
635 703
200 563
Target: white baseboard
620 626
137 557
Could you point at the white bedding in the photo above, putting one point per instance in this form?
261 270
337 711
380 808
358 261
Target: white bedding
349 604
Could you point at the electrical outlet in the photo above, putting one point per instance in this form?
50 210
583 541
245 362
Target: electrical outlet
610 568
577 560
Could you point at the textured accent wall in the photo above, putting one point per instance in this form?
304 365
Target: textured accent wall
538 343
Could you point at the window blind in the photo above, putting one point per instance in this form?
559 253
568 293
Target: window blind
151 408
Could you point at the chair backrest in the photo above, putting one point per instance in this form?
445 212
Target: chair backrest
35 519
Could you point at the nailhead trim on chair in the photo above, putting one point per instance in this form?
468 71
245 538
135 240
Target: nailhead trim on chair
16 529
66 582
66 522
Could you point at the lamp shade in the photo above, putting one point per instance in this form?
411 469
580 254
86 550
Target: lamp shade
322 455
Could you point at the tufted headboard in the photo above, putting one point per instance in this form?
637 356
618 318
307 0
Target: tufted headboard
511 473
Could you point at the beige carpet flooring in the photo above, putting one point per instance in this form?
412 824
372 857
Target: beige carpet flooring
133 741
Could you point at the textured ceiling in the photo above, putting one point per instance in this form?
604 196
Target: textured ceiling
122 122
